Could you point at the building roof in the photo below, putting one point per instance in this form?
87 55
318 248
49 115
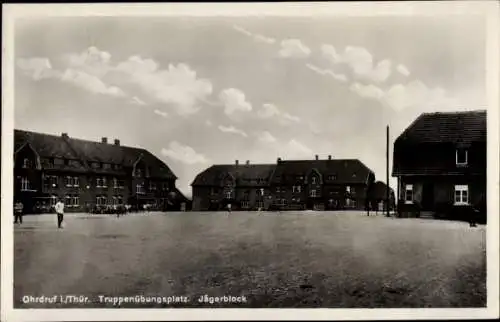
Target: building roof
332 171
439 131
52 146
453 127
285 172
250 175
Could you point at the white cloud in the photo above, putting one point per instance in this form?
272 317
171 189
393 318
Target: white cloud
137 101
415 94
267 40
161 113
368 91
268 110
184 154
256 37
403 70
234 100
361 62
242 30
232 129
266 137
90 83
291 118
37 68
295 149
339 77
92 61
294 48
177 85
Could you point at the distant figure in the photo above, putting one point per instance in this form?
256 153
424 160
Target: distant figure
18 212
473 217
59 207
229 208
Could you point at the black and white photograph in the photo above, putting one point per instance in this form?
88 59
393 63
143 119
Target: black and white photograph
327 157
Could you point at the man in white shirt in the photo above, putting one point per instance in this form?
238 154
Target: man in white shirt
59 207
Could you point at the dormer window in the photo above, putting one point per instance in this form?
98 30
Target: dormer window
461 157
27 163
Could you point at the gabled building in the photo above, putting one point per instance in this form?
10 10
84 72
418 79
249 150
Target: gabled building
88 175
244 186
378 197
440 163
286 185
321 184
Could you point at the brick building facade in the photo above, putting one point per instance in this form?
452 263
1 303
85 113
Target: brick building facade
286 185
88 175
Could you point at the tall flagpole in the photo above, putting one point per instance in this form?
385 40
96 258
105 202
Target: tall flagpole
387 192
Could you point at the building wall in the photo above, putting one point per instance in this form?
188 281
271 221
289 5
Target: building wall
43 187
443 189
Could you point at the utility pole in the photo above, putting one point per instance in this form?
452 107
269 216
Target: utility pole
387 192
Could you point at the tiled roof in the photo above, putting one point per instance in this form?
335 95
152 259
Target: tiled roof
52 146
332 171
455 127
245 174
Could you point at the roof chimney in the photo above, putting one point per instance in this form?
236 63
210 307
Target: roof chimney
64 135
329 157
236 162
317 157
117 142
104 140
248 162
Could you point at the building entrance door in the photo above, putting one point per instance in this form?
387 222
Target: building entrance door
428 196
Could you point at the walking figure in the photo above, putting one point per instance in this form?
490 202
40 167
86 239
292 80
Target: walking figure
59 207
18 212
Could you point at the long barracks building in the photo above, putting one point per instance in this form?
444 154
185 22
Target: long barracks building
287 185
89 175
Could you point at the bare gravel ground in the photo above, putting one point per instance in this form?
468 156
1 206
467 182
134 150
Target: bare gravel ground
292 259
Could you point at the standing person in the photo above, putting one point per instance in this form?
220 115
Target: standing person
59 207
18 212
229 208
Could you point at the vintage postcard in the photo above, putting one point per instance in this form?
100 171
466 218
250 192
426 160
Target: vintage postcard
201 161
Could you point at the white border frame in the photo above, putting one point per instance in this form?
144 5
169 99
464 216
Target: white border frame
488 8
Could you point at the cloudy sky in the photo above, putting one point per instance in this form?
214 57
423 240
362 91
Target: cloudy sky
199 91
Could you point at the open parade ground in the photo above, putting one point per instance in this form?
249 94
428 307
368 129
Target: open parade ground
289 259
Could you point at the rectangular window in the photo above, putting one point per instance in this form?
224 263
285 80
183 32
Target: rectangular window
278 189
297 189
229 194
104 184
69 181
53 200
27 163
313 180
152 186
461 157
164 186
261 192
67 201
76 201
98 182
139 188
138 172
115 183
260 204
76 182
120 200
348 189
332 177
409 193
313 193
25 184
106 166
461 195
245 204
